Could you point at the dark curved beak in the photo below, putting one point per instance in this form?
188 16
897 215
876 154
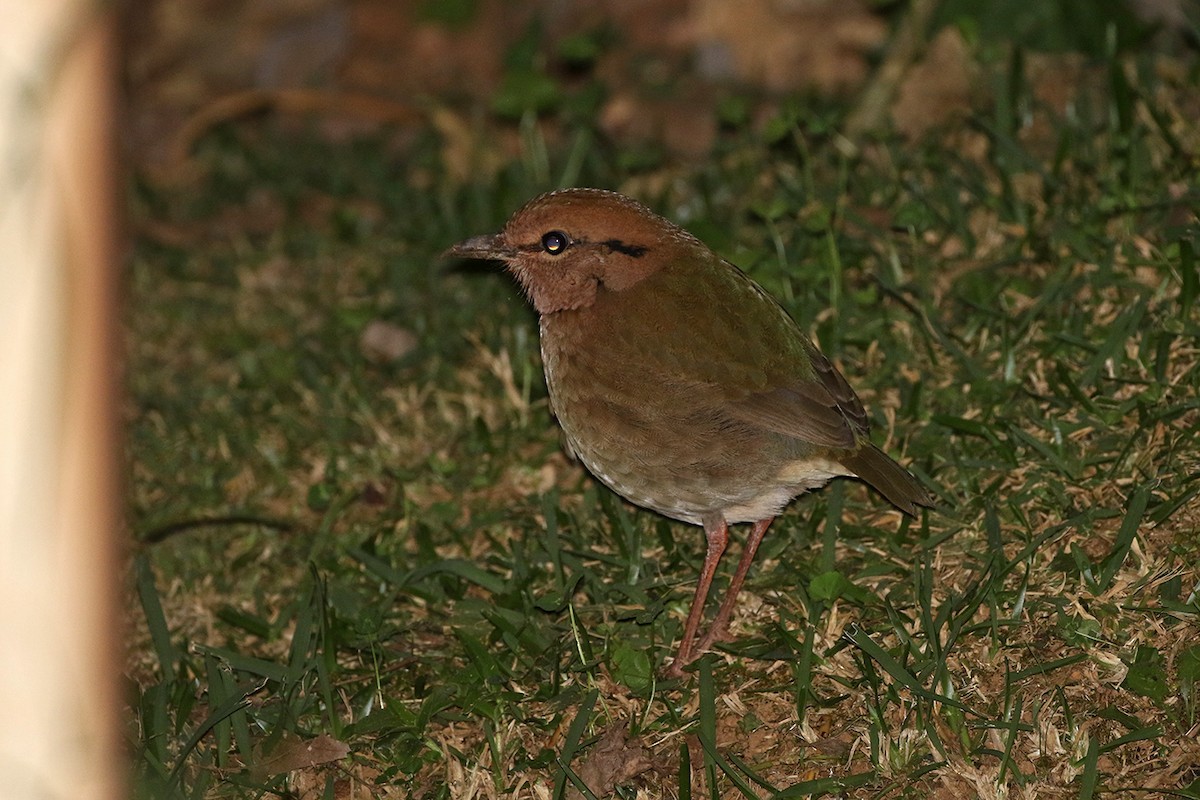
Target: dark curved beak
490 246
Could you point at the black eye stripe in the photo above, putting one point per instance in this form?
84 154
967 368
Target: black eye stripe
631 250
556 242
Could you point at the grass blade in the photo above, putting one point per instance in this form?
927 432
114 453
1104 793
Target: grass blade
571 743
1124 541
156 620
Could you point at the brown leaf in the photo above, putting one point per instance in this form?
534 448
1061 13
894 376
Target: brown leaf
293 753
938 88
383 342
613 760
787 46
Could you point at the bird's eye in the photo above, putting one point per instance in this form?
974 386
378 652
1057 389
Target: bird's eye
555 242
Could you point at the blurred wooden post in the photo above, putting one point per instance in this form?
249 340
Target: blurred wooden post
60 663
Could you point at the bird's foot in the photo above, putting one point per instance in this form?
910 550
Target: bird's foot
674 670
717 633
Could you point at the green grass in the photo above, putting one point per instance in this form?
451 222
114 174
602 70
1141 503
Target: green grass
399 557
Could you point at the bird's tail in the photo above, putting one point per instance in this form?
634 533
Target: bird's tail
888 478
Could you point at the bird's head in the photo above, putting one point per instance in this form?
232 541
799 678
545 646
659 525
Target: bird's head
566 246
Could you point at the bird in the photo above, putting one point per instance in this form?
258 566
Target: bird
679 382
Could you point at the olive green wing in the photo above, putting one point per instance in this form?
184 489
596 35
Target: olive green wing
712 339
800 393
822 410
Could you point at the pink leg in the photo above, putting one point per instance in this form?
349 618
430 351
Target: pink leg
716 531
720 624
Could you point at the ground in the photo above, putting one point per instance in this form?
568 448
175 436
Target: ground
362 565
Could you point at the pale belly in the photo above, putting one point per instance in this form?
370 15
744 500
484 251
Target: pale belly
690 490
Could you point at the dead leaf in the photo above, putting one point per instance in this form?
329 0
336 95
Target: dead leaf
788 46
610 762
938 88
385 342
293 753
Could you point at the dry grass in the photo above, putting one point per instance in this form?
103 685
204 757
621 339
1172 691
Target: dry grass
397 556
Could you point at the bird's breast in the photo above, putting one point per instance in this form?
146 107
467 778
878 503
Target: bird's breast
657 436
